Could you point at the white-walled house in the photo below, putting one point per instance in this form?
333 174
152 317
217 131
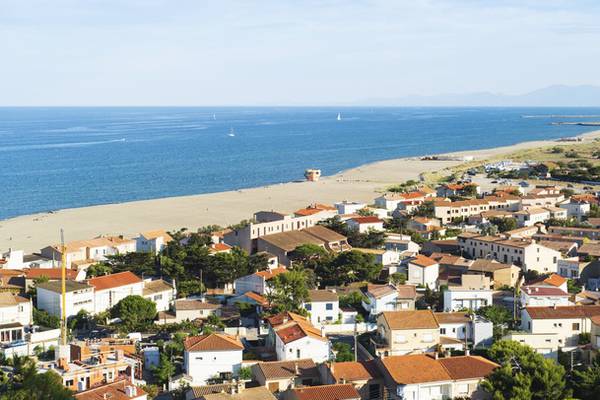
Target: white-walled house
555 327
86 252
323 307
365 224
473 293
576 208
79 296
256 282
446 378
380 298
152 241
207 356
110 289
299 339
423 271
525 253
349 207
15 309
161 292
543 296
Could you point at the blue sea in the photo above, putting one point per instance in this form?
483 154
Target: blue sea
54 158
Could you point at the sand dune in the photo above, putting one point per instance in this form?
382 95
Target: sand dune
32 232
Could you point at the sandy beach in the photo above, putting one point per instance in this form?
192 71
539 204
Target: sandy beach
32 232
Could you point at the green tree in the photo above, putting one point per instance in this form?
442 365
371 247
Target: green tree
288 290
343 352
135 312
41 317
497 315
164 370
524 374
309 255
245 373
99 269
586 383
352 299
398 278
504 224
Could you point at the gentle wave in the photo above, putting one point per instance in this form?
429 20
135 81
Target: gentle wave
58 145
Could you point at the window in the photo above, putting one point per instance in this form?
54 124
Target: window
297 353
442 331
308 306
576 326
329 306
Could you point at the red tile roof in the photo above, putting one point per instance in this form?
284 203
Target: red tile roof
354 371
326 392
270 273
114 280
563 312
544 291
112 391
212 342
367 220
414 319
50 273
421 368
423 261
295 330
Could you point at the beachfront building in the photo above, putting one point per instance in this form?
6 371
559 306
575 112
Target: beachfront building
207 356
323 307
391 200
365 224
400 243
18 260
458 189
266 223
446 211
541 200
152 241
319 212
349 207
82 253
521 252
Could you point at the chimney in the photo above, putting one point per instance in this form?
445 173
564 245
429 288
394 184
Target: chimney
119 355
436 355
467 352
554 306
296 369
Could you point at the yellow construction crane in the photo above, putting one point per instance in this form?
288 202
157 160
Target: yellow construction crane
63 317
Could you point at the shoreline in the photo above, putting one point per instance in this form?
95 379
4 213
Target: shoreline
33 231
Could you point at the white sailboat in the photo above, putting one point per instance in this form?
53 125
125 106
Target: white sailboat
339 117
231 132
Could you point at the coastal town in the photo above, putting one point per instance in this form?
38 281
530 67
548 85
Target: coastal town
481 284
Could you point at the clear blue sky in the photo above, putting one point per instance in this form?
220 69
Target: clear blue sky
177 52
